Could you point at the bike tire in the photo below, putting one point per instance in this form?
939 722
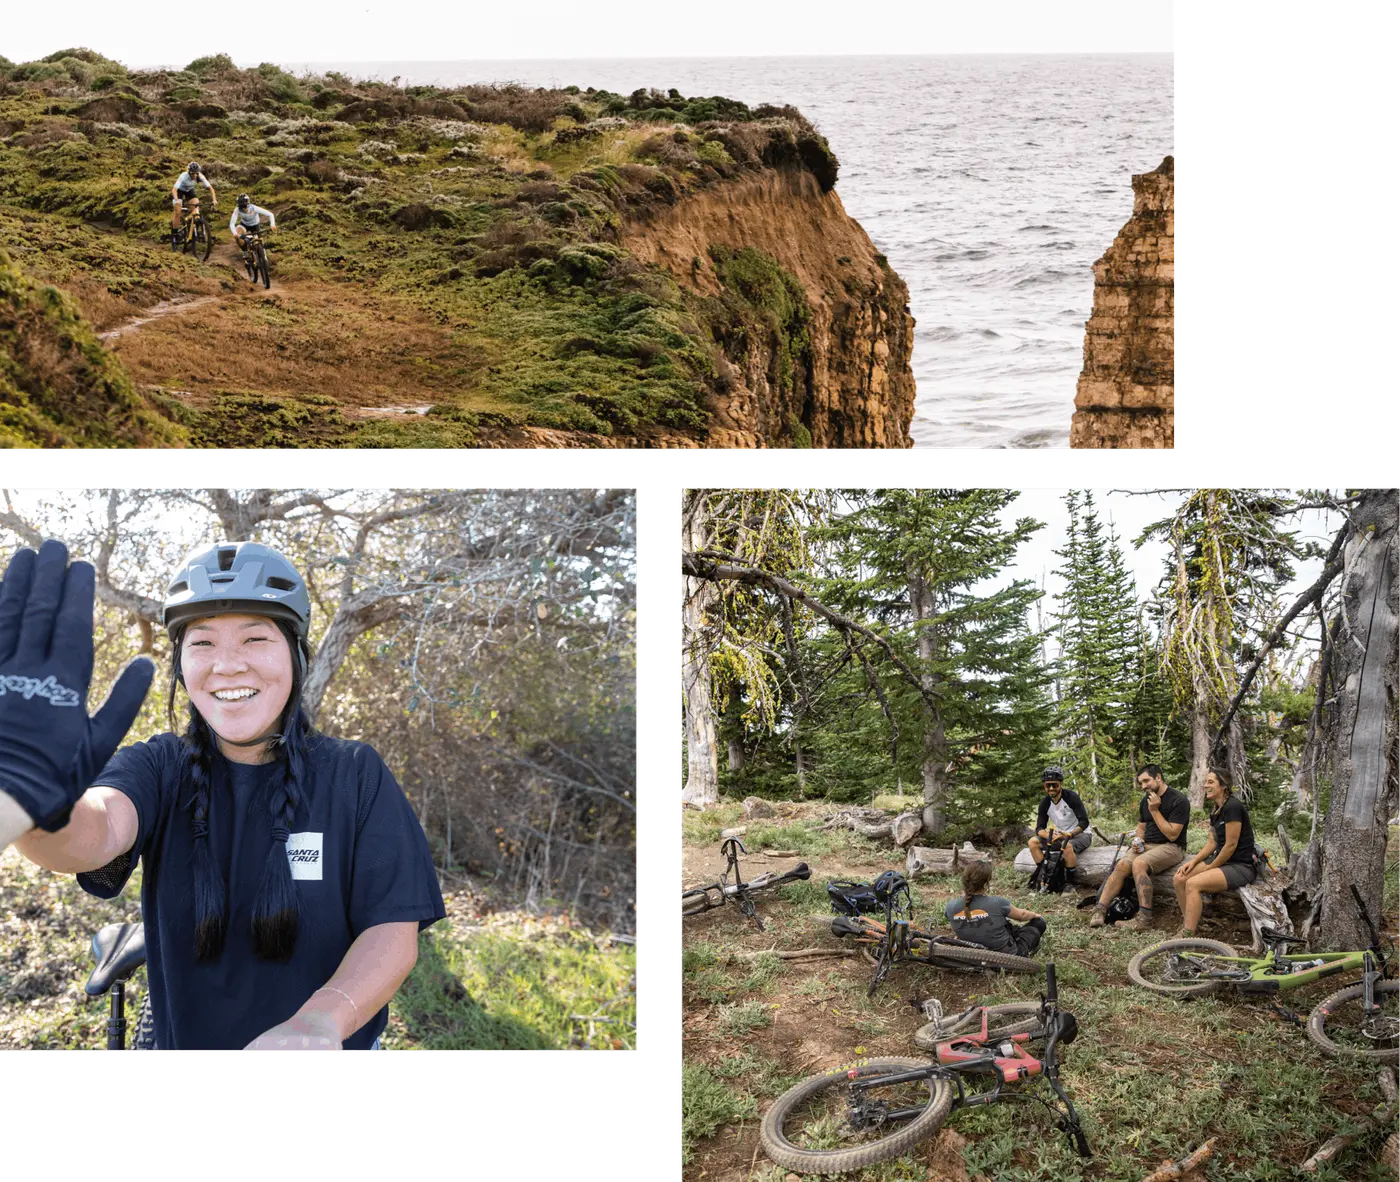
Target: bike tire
206 238
1317 1022
1017 1017
1135 966
945 956
780 1149
262 267
143 1036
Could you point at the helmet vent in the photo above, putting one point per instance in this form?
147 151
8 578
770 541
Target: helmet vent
221 578
280 584
176 588
226 558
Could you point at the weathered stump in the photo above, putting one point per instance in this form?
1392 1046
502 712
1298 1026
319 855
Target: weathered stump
923 859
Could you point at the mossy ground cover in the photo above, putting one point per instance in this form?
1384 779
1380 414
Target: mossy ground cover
485 978
1151 1077
487 216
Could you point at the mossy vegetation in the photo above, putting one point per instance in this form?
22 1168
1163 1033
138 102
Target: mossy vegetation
491 213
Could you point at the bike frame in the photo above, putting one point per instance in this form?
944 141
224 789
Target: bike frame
739 892
1272 973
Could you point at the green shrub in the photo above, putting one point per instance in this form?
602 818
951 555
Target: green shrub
209 67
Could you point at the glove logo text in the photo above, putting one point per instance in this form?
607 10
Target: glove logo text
32 687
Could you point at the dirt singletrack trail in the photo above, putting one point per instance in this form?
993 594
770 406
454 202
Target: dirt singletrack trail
153 313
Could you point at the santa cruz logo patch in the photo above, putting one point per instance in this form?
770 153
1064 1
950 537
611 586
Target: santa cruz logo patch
304 854
32 687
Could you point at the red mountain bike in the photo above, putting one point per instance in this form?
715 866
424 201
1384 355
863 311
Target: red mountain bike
853 1117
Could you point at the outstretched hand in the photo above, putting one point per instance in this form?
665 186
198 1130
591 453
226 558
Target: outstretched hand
50 748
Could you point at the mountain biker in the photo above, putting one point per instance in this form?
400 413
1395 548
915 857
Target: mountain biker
1061 816
1158 844
285 876
1231 841
983 919
182 192
247 216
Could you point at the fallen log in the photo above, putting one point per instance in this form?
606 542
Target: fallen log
1185 1167
877 824
798 954
1386 1119
923 859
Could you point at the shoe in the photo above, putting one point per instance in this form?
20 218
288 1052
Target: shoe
1096 920
1142 920
1184 934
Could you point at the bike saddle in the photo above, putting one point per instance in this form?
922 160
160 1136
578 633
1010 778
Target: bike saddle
1277 937
120 949
801 870
842 925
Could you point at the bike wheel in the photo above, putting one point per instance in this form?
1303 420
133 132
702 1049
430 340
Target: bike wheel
206 241
1338 1027
262 267
807 1129
143 1036
949 956
251 266
695 902
1152 969
1017 1017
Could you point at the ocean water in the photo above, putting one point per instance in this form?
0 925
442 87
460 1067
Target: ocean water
991 182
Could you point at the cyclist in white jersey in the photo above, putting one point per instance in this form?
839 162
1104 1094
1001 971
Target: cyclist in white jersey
247 216
183 191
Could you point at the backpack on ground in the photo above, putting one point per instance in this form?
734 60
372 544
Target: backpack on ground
1051 875
852 898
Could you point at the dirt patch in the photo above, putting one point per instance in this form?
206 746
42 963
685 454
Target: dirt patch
154 313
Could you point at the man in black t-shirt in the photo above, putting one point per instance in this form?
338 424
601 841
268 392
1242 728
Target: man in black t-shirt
1158 845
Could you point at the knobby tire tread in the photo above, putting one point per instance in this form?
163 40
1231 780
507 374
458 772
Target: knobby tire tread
1317 1020
1199 945
842 1161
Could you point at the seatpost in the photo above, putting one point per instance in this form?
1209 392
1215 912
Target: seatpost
116 1022
1051 995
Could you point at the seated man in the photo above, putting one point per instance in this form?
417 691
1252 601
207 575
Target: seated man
1061 817
1232 844
1158 845
983 919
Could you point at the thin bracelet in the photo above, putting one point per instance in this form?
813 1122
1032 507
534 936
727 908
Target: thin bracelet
346 996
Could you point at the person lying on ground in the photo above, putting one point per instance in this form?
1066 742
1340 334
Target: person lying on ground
1231 842
1060 818
985 919
1158 844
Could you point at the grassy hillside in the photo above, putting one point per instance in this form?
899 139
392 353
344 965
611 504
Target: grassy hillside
485 979
452 248
1151 1077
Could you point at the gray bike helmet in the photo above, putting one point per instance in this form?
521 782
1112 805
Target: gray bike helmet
230 577
1052 773
243 201
193 168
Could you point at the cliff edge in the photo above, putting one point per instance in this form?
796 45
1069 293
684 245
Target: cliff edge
1125 396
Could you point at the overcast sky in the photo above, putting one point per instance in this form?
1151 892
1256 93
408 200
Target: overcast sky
371 30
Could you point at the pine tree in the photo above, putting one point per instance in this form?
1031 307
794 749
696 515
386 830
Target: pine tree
1095 626
924 561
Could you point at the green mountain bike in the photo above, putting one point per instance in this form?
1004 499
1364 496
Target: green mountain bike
1361 1020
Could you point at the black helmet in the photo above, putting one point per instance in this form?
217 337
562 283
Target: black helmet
193 168
246 577
242 201
1125 906
1052 773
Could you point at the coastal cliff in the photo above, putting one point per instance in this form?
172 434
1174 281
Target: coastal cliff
1125 396
488 266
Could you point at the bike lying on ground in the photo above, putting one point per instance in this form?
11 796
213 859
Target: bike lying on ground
853 1117
897 941
119 950
193 235
1361 1020
254 253
737 891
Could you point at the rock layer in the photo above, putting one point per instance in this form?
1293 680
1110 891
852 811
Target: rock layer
1125 396
858 388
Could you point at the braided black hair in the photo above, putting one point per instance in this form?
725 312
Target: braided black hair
275 912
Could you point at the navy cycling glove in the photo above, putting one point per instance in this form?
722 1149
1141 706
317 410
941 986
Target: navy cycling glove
50 749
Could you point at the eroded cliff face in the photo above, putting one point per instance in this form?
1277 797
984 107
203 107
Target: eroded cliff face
846 381
1125 392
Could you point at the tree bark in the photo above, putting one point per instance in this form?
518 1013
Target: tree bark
702 754
1200 747
935 739
1363 726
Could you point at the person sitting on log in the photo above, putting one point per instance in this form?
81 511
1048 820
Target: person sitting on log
985 919
1158 845
1062 818
1231 841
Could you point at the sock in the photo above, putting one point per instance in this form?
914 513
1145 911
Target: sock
1144 910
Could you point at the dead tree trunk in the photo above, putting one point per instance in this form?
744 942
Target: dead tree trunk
702 754
1363 727
935 740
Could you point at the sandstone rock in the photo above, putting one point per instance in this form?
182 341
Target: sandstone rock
756 807
1125 396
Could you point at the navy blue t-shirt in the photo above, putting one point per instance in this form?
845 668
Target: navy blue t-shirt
359 858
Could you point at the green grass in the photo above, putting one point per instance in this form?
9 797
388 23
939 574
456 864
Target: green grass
707 1103
743 1018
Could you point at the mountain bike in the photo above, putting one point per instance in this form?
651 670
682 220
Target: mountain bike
254 253
897 941
737 891
1361 1020
119 950
194 235
876 1109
